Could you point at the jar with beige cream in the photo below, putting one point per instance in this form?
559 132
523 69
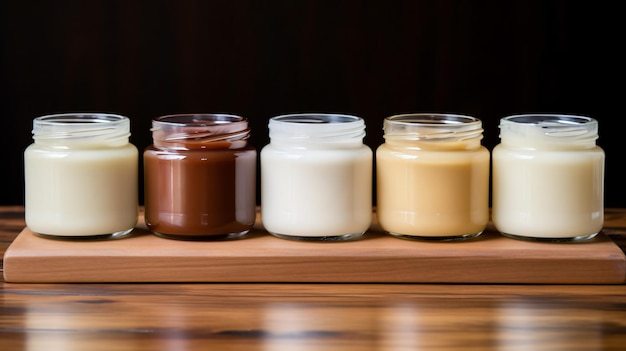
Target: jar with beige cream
432 177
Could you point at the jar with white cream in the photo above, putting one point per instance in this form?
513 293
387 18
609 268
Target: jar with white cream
548 178
432 177
316 177
80 177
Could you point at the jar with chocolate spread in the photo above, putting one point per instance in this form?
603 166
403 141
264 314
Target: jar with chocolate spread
200 177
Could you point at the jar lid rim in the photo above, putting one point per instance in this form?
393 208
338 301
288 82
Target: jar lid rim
199 119
433 119
549 118
315 118
80 118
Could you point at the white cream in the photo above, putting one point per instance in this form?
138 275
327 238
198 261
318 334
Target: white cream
313 188
548 178
82 187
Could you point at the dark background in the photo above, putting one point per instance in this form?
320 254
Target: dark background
260 58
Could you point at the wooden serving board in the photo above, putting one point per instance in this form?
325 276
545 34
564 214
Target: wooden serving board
260 257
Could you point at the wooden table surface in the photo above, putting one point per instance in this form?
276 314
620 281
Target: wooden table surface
294 316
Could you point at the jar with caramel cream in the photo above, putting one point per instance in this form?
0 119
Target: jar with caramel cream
432 177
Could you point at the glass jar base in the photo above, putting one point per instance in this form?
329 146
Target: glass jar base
435 238
186 237
579 238
342 237
116 235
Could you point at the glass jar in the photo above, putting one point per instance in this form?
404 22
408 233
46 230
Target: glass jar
200 177
432 177
316 177
81 177
548 178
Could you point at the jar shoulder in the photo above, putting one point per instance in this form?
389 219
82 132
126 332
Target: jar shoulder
315 150
503 149
152 149
399 150
86 148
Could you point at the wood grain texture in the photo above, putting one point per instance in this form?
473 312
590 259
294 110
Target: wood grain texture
260 257
306 317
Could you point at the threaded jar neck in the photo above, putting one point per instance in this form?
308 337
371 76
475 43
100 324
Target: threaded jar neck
81 130
200 131
317 129
433 131
557 131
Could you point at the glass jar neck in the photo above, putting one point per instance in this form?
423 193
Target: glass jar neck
73 130
200 132
549 131
317 130
422 131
